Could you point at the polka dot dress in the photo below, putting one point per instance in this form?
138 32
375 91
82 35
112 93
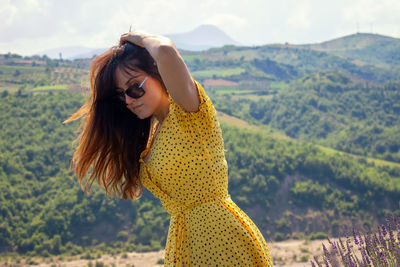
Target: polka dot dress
186 169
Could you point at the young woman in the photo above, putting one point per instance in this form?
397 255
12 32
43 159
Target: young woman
148 122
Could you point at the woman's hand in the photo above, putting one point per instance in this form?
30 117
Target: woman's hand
135 37
151 42
144 39
171 66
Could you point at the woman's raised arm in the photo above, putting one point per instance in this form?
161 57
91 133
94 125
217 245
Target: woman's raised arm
171 67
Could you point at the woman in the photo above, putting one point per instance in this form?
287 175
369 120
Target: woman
148 122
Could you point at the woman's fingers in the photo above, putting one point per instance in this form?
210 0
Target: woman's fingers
134 37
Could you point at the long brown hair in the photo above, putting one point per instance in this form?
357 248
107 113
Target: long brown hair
111 136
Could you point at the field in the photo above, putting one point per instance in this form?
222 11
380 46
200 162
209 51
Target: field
222 72
290 253
50 87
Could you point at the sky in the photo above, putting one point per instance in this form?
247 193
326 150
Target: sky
31 26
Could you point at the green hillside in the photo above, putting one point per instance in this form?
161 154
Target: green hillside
42 73
289 189
364 48
291 180
368 57
329 108
377 62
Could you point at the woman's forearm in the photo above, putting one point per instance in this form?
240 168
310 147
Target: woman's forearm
159 46
171 66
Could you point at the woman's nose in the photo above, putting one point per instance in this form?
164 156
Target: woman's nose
129 100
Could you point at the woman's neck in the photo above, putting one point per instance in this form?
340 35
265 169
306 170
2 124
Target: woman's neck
163 109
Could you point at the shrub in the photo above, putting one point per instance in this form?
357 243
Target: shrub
304 258
87 256
381 248
316 236
123 235
279 237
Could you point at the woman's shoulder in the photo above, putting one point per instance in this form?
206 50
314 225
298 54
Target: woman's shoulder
203 120
204 102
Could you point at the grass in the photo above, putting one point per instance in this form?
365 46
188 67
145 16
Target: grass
246 54
225 72
191 57
11 88
252 97
278 85
50 87
21 68
233 121
377 162
233 91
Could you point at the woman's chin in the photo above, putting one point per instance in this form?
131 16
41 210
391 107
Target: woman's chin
142 115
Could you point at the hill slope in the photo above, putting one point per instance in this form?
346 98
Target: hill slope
288 189
365 47
331 109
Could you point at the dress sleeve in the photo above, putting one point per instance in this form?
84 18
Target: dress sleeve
200 120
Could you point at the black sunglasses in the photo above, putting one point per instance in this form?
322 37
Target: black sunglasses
134 91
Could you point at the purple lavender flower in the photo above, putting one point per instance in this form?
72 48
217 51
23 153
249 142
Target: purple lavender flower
352 264
326 262
316 260
364 257
384 232
382 240
341 243
348 246
381 248
360 238
356 240
333 245
325 250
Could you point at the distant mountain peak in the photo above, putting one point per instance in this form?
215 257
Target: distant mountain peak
201 38
207 29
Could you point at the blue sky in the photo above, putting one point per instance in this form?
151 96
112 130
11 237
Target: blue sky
31 26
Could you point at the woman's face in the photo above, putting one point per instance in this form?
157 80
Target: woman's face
150 102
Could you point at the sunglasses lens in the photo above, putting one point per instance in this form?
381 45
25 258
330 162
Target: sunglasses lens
135 91
120 96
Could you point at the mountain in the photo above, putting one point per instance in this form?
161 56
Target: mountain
363 48
202 38
71 52
355 41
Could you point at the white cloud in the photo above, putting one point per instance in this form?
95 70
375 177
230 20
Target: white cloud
232 25
8 13
226 21
30 26
373 15
300 17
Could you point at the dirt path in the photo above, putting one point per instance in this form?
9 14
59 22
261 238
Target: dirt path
147 259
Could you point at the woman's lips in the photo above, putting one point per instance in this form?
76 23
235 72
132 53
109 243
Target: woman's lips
136 107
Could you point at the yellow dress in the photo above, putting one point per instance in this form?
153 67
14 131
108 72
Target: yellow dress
186 169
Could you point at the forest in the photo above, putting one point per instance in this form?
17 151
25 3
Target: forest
320 153
44 211
330 109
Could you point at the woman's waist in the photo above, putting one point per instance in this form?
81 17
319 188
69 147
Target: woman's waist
175 208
